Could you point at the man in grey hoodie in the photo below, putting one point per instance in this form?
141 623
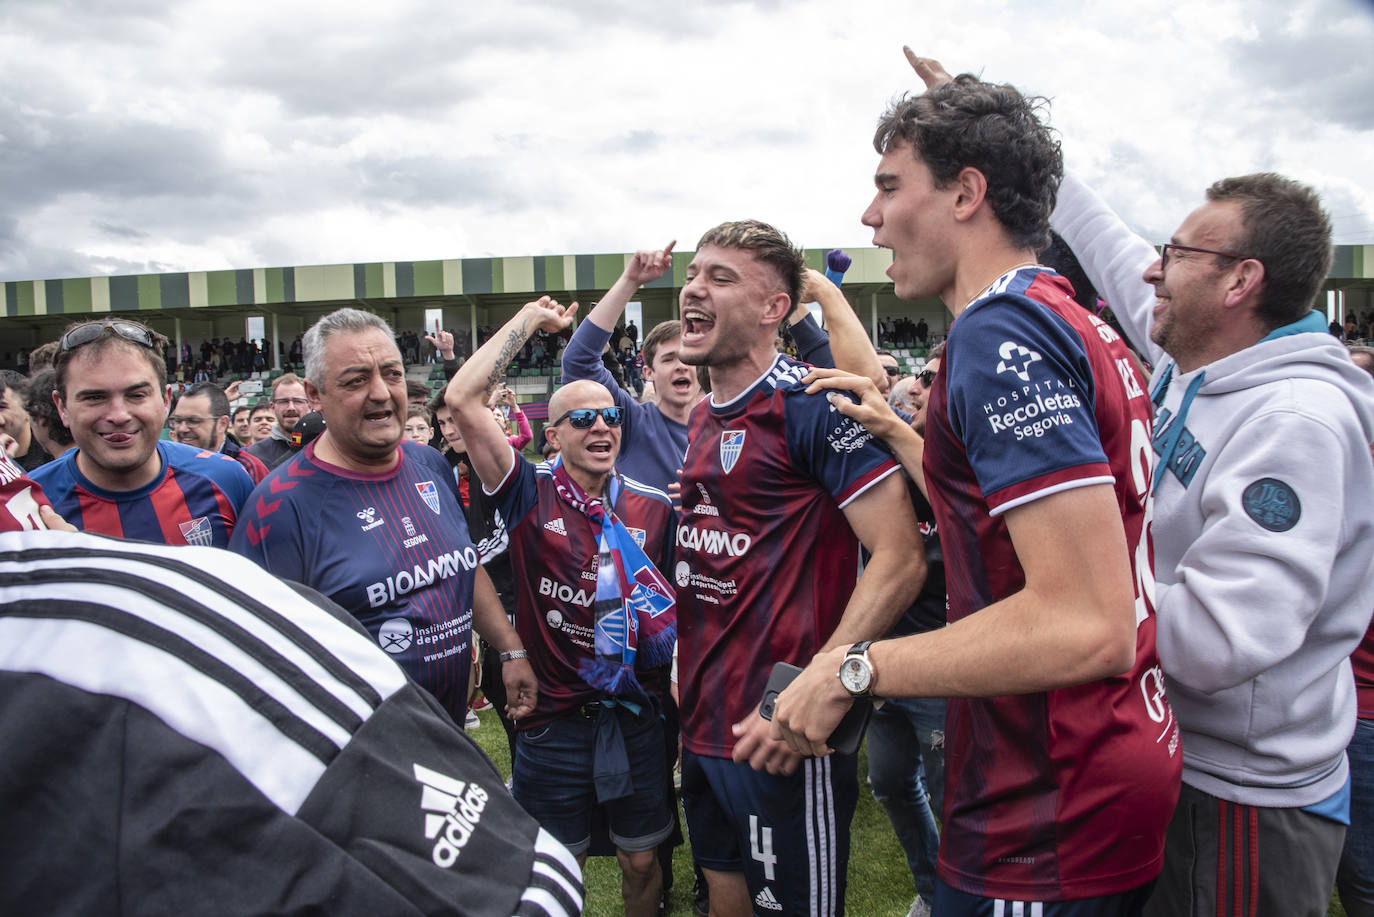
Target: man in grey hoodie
1263 532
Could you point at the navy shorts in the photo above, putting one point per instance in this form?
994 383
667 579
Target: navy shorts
788 835
950 902
552 778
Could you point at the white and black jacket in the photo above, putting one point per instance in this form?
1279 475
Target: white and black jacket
180 732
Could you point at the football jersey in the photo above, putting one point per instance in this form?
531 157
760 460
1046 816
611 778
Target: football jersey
766 560
20 499
392 548
1062 794
195 498
553 552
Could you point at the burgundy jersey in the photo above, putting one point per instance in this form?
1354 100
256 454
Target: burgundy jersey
1063 794
553 550
1362 661
20 499
766 560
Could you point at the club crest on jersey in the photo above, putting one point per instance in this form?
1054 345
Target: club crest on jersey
731 445
198 531
430 493
637 535
1016 360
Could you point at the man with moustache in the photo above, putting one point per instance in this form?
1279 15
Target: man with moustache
290 404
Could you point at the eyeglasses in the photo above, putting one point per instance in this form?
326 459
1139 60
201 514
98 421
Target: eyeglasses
582 418
90 331
1168 247
927 377
288 402
893 371
177 420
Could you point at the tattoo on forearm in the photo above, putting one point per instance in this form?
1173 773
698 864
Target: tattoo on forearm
514 341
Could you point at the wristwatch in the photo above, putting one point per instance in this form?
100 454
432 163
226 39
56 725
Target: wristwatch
508 655
856 672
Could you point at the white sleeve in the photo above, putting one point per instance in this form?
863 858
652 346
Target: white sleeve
1249 586
1113 257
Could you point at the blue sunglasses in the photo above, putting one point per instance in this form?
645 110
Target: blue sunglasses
582 418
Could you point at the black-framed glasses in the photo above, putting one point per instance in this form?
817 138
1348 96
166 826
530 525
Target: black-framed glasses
1171 247
90 331
177 420
927 377
582 418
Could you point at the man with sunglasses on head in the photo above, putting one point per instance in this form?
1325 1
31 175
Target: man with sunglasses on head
1263 533
290 404
593 610
122 480
200 418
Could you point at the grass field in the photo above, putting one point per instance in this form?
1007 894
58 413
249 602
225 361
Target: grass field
879 883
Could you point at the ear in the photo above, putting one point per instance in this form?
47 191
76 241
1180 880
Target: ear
551 434
313 395
775 308
167 402
971 187
1245 282
221 426
61 404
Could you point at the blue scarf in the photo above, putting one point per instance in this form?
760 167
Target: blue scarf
636 620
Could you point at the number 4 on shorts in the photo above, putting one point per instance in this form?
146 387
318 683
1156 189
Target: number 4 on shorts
761 846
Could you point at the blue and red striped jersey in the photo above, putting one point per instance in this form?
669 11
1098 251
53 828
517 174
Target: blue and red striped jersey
766 559
1062 794
554 555
392 548
194 499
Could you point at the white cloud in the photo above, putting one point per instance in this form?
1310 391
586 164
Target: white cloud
193 134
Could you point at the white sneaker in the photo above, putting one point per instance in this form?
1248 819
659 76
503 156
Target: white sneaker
918 909
473 721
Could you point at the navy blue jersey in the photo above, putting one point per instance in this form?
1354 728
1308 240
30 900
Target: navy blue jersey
1062 794
554 555
766 559
392 548
195 498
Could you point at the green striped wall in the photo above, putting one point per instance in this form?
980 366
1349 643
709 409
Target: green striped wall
408 279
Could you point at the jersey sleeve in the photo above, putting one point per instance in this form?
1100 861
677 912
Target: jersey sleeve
518 493
813 344
582 360
834 449
1021 400
268 532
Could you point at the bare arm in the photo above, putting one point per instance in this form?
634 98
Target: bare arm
472 386
884 521
1073 622
490 621
849 342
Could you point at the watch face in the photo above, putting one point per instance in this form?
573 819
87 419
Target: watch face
855 675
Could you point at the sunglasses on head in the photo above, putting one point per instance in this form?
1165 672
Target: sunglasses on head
582 418
90 331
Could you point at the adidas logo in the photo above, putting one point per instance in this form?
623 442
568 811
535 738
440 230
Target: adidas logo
765 900
556 526
452 810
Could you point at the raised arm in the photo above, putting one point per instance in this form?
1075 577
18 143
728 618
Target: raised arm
488 447
849 343
582 356
876 416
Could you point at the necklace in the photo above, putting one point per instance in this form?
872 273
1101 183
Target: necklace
1000 274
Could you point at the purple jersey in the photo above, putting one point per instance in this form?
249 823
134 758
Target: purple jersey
392 548
553 551
1063 794
766 559
195 498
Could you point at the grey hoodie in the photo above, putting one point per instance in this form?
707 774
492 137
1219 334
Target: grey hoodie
1263 533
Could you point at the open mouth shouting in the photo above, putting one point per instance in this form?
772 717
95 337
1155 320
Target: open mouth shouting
696 325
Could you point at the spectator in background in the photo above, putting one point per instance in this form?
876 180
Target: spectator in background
200 418
14 420
260 422
48 428
418 428
290 404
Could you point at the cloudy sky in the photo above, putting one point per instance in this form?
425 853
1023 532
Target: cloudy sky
162 135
